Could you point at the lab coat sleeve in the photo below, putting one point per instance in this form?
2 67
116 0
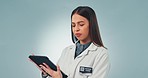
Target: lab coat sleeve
46 76
101 65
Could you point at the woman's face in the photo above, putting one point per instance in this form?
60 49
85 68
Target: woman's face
80 28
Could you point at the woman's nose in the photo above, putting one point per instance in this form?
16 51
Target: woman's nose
77 28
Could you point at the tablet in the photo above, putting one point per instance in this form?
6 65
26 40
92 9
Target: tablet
39 60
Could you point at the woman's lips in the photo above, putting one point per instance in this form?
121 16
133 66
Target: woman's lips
78 34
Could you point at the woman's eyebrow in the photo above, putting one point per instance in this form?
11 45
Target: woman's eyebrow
81 22
72 23
78 22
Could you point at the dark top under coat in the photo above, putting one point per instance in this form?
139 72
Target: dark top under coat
80 48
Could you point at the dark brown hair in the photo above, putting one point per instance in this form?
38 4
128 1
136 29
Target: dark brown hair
90 15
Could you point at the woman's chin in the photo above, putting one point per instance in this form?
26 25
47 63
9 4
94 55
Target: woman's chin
79 39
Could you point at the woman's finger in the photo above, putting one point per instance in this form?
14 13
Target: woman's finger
59 72
30 59
36 65
58 68
48 70
41 67
46 65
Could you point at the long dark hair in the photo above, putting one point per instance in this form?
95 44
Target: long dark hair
90 15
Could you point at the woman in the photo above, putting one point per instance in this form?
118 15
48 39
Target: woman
87 58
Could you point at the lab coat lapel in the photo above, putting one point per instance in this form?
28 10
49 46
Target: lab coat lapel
90 48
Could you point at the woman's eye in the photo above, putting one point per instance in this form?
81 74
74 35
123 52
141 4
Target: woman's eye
73 25
81 24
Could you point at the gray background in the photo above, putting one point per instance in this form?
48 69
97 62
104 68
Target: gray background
42 27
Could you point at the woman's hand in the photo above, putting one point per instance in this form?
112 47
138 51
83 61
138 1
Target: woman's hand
37 66
54 74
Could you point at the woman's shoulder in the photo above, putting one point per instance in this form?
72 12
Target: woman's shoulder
99 50
102 48
70 47
101 53
67 50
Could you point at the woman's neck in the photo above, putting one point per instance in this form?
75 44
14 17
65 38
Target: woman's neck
85 42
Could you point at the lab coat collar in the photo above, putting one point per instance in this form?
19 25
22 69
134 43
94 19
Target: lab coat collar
92 46
89 49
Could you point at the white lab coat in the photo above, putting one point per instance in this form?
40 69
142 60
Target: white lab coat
95 57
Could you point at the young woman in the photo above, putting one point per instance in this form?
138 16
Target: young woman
88 57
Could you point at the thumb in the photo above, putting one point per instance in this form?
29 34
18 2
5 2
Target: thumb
59 71
58 68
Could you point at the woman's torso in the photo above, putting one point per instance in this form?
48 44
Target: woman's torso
87 60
